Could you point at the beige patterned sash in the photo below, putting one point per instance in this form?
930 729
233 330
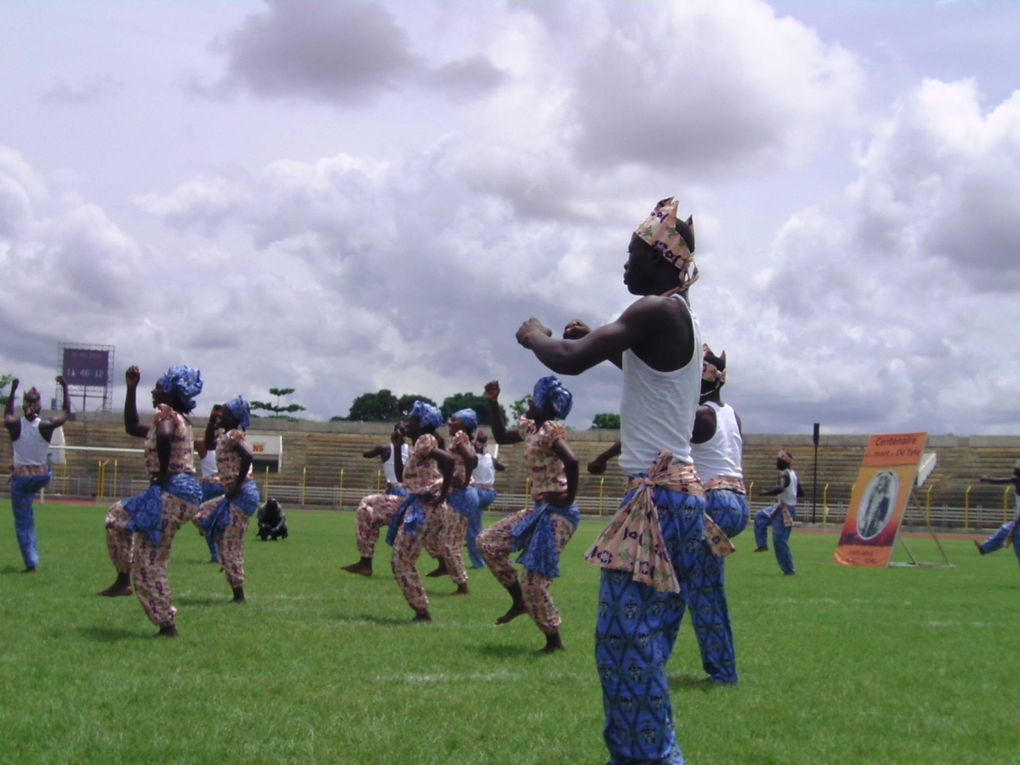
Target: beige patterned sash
633 542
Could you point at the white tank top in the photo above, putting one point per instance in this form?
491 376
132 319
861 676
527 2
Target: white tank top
722 454
31 447
208 465
657 408
389 470
484 473
788 496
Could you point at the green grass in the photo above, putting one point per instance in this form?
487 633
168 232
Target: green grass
838 665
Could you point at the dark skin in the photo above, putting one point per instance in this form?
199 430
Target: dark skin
598 465
784 480
656 327
465 452
481 443
1011 479
560 447
208 441
31 408
229 422
411 428
164 430
705 419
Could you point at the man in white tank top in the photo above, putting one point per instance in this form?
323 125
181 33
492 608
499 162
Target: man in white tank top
30 440
717 447
1007 534
647 550
781 515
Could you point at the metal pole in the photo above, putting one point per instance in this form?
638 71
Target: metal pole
814 488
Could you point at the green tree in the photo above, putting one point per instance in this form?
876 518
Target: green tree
5 380
606 421
381 406
459 401
277 409
519 408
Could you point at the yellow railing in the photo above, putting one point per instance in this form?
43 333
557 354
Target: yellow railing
927 503
341 503
966 507
101 487
304 483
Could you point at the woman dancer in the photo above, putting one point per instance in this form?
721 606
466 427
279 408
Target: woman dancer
418 522
542 531
210 482
140 531
225 521
462 505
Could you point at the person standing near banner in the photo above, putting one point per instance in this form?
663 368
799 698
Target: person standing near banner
647 549
781 515
30 441
1007 534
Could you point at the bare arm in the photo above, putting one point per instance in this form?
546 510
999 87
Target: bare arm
570 466
397 442
382 451
467 456
445 461
242 474
994 479
598 465
131 423
11 422
704 424
164 444
46 427
499 431
784 481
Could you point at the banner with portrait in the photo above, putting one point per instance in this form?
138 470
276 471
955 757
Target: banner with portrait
879 499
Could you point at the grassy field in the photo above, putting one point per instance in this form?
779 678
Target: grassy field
838 665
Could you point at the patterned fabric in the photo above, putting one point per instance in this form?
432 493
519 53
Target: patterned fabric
456 517
536 537
659 231
241 409
215 515
550 391
497 543
147 561
786 456
704 593
228 457
410 516
407 548
231 544
726 482
469 417
634 637
460 474
25 483
544 466
428 415
146 509
633 540
422 474
183 382
374 512
182 443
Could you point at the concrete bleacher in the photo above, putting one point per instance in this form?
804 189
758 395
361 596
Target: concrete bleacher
323 467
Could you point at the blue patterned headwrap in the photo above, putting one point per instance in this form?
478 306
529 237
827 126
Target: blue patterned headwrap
470 419
183 382
241 409
550 390
428 415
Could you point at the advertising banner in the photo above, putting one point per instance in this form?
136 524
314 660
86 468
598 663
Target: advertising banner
83 366
879 499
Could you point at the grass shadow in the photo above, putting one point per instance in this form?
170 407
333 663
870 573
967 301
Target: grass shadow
108 634
506 651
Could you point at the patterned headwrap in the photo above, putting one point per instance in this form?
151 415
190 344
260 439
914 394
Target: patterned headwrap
183 382
469 417
241 409
428 415
549 390
660 230
786 456
713 368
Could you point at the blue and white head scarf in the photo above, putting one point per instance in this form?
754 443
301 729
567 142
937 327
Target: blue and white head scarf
469 417
241 409
184 383
428 415
551 391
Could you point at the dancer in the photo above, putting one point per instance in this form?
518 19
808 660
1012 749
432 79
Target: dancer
225 521
376 510
717 448
30 441
647 550
1007 533
140 531
781 515
418 522
543 530
210 482
462 504
484 479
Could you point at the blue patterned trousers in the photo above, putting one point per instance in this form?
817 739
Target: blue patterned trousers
23 490
773 516
998 540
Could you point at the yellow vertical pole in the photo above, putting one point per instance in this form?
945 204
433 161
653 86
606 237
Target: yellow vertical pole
602 494
341 488
101 489
304 481
927 502
116 468
265 482
966 507
825 503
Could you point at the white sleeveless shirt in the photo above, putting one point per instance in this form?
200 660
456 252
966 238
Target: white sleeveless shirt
30 448
722 454
657 408
389 469
484 473
788 496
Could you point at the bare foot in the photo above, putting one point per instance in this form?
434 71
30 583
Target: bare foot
515 610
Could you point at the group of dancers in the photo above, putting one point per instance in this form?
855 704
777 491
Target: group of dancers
663 551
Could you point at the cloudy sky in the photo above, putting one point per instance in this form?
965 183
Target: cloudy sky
345 196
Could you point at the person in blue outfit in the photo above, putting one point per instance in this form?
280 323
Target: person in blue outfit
717 447
1007 535
781 515
647 549
30 441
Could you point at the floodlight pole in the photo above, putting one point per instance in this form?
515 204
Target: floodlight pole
814 488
